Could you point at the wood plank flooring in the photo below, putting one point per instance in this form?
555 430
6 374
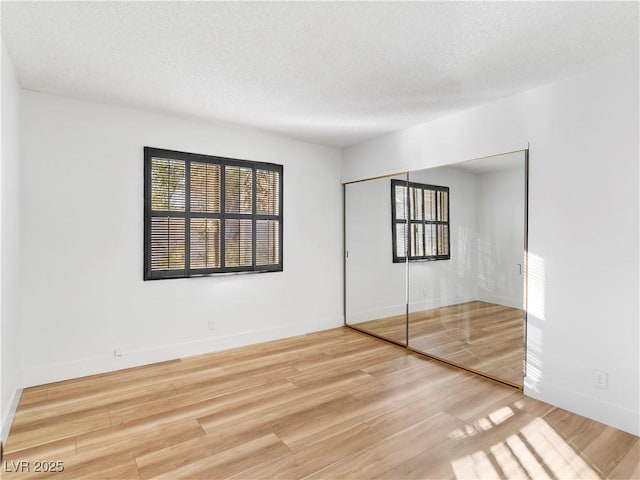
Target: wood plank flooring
332 404
478 335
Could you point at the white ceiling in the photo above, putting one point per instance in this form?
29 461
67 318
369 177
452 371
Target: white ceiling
333 73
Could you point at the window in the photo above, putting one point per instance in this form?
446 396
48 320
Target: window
206 215
420 221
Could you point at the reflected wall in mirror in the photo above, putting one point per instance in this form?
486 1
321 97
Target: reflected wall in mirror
468 309
375 286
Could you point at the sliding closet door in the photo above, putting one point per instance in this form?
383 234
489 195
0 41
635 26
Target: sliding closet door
375 260
466 241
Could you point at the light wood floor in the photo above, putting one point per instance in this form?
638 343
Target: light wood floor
333 404
478 335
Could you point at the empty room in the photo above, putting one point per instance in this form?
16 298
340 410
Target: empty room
338 240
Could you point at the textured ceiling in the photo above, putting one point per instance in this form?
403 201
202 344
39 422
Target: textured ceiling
330 73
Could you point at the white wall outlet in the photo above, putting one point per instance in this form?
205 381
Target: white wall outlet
117 352
212 325
600 379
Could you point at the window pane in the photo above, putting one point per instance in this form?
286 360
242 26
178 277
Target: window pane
430 239
401 202
238 189
238 243
167 243
430 204
415 203
443 240
401 239
267 242
167 184
205 187
268 192
205 243
417 240
443 200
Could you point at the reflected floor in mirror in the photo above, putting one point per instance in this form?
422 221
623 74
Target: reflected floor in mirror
393 328
478 335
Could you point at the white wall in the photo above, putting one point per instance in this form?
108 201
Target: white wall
500 236
9 247
583 225
82 249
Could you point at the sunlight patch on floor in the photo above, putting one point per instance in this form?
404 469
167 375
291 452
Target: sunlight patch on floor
501 415
483 424
555 452
476 465
509 463
537 451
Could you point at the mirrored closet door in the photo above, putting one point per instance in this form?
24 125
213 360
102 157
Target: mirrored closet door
435 261
375 285
466 282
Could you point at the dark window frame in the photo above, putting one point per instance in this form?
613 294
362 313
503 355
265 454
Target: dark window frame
423 221
188 158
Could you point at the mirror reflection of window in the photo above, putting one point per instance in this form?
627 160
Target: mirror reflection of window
428 222
468 310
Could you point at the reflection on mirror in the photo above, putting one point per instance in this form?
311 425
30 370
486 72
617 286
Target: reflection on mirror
468 308
439 265
375 285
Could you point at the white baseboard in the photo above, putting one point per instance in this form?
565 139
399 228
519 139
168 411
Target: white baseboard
40 375
8 418
594 408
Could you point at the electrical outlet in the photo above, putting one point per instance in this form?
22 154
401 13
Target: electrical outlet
117 352
212 326
600 379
